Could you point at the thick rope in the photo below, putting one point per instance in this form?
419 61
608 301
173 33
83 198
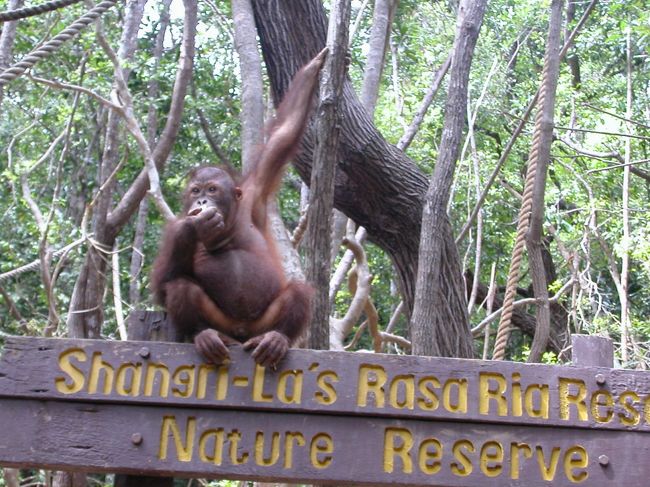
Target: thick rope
22 13
53 44
36 264
503 332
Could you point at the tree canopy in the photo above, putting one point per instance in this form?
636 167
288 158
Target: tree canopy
78 235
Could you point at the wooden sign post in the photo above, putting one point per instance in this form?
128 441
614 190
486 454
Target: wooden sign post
156 408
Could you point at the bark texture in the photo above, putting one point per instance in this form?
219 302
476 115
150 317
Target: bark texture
382 19
429 324
86 314
85 318
534 239
321 197
252 103
375 184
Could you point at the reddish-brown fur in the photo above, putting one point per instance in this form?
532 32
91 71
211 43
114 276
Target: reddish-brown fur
218 272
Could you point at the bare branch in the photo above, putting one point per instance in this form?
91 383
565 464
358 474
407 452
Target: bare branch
339 329
131 199
517 304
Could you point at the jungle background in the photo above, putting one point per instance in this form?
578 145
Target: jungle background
152 89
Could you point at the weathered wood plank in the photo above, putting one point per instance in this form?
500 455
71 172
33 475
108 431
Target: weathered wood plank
318 382
592 350
324 449
148 326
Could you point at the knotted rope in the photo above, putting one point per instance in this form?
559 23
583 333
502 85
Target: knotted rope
503 332
13 72
22 13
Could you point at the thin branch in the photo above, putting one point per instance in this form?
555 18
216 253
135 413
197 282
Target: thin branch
339 329
412 130
602 132
357 21
522 123
133 126
71 87
117 293
615 115
390 338
618 166
522 302
130 201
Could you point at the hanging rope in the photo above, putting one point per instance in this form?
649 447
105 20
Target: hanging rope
503 332
23 13
53 44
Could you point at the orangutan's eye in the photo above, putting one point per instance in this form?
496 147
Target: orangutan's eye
212 189
195 190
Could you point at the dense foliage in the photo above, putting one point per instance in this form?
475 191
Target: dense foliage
584 199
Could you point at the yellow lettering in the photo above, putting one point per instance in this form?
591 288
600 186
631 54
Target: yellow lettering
202 381
75 375
184 377
321 444
543 398
567 398
460 386
488 456
517 403
217 452
157 373
233 438
371 380
135 377
397 443
184 451
221 389
408 385
630 416
596 404
289 438
327 393
429 400
258 385
429 456
515 448
259 449
488 392
547 471
97 367
576 457
295 394
465 468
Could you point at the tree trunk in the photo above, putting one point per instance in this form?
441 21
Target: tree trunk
85 317
382 19
252 100
383 15
544 130
153 91
86 314
319 236
376 184
625 243
429 322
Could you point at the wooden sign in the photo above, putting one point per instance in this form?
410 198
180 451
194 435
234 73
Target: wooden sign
327 417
